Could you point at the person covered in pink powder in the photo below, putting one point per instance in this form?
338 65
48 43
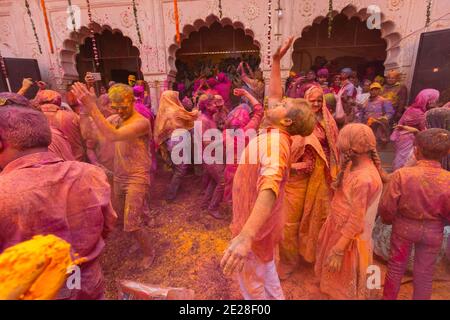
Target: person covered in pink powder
414 117
241 123
213 172
344 248
416 202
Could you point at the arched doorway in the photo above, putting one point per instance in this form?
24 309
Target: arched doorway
118 57
352 45
211 46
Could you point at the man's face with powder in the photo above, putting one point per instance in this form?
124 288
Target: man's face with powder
122 101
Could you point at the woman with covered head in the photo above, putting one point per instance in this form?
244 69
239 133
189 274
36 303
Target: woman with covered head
308 190
413 117
171 123
344 247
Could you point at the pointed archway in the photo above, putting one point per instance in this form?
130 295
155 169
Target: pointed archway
351 42
192 34
117 54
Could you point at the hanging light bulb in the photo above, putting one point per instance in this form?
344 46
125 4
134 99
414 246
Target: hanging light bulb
279 10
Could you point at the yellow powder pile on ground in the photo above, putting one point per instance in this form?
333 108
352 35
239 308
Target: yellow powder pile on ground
34 269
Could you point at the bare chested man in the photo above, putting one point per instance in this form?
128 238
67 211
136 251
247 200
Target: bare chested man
131 161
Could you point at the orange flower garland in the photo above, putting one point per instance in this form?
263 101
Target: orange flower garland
177 20
47 26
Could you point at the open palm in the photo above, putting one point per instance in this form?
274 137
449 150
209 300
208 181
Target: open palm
281 51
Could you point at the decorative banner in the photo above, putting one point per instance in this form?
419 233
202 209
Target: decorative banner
220 9
49 35
72 16
94 42
177 20
427 23
330 18
27 5
138 30
269 33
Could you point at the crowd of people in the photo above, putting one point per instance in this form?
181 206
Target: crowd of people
77 165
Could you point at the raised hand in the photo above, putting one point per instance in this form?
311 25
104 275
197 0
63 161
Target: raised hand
239 92
42 85
282 50
87 97
27 82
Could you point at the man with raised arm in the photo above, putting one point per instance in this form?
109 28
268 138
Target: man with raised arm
258 192
131 160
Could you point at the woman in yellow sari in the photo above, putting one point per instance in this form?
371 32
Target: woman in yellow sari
308 190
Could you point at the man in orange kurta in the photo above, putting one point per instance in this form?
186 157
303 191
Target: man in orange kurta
258 193
41 194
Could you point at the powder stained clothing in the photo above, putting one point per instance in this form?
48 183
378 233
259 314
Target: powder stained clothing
270 172
308 190
68 122
377 113
60 146
418 214
131 204
414 116
42 194
397 94
259 280
132 163
353 211
232 143
377 108
213 174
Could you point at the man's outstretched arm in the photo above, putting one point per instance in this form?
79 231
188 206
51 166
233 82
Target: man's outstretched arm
275 85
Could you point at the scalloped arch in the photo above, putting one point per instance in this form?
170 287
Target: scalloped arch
388 32
196 26
69 48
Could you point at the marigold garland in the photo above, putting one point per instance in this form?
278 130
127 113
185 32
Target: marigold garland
72 16
177 20
220 9
330 18
3 67
136 21
269 33
49 35
27 5
427 23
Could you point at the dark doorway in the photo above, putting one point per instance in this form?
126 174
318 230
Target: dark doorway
351 44
118 57
212 50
